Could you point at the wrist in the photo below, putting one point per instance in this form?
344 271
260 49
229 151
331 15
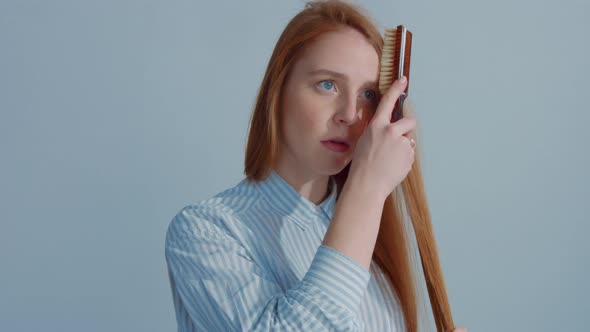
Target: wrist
358 189
358 185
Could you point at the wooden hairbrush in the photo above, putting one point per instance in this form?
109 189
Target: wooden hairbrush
395 63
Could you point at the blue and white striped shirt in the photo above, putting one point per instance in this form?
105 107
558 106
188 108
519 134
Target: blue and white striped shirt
251 259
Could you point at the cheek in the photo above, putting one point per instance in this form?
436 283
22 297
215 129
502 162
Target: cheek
367 114
305 117
366 117
309 120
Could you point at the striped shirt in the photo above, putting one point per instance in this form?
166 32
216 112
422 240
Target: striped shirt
251 258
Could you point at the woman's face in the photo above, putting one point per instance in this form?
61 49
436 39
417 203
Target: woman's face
330 94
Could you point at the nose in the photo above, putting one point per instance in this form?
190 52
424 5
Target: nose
348 110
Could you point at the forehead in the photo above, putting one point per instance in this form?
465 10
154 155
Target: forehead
346 51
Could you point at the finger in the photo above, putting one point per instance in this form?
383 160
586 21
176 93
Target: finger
412 142
387 103
409 112
409 108
404 126
411 134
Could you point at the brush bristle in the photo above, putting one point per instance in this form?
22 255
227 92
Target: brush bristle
390 57
388 65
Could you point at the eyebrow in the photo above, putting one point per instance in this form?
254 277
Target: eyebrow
339 75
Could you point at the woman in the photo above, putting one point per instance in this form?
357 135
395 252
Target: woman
290 247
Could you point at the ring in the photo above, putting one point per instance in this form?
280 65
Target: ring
412 142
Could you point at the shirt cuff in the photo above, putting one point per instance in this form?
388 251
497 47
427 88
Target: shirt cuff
339 276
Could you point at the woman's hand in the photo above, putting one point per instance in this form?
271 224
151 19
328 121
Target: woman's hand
460 329
384 156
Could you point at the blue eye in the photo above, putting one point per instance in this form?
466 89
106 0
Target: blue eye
370 94
328 85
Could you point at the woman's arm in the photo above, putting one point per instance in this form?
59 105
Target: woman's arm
355 224
382 159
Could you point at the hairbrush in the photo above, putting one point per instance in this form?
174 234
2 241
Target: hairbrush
395 63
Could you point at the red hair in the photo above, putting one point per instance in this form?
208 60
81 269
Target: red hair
392 250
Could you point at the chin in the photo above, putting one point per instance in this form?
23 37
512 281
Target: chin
333 167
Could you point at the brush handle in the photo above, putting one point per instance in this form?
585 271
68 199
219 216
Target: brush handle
398 108
403 68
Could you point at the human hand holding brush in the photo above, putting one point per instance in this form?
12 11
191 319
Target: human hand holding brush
385 152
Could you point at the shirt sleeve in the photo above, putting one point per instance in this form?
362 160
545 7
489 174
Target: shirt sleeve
223 289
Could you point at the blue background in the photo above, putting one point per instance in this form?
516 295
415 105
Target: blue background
116 114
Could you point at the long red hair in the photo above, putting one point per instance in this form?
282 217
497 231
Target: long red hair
392 250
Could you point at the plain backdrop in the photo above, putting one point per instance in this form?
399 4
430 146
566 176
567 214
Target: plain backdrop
116 114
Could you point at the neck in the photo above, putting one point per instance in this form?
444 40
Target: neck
313 188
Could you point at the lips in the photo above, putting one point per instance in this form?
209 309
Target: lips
336 146
341 140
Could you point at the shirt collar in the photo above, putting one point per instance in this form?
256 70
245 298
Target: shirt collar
287 200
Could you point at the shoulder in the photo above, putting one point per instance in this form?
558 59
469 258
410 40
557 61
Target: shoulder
217 215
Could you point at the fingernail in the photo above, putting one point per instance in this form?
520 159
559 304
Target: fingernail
402 80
